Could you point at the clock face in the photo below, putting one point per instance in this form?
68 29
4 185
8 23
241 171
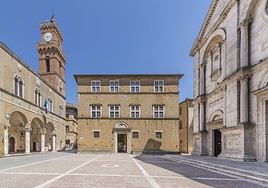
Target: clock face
47 37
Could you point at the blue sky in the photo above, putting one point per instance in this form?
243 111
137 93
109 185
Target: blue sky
110 36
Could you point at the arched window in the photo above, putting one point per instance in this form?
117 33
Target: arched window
50 105
18 86
37 97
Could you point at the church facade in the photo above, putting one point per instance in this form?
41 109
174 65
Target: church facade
32 105
231 81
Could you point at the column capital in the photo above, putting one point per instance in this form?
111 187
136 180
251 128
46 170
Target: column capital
7 125
28 129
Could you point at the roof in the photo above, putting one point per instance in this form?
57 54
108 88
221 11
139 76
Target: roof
127 75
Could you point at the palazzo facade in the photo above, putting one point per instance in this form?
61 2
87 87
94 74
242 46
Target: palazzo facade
231 81
32 105
128 113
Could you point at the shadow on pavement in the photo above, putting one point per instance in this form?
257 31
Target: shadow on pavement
199 175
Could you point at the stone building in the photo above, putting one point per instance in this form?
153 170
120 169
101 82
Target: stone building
128 113
186 109
231 81
71 127
32 106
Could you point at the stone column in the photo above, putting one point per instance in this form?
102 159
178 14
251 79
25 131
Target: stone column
202 117
43 140
201 80
115 142
244 100
27 140
129 149
244 60
54 143
6 140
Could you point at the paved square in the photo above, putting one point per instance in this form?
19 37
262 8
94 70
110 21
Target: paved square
109 170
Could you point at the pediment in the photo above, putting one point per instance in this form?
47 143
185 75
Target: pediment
122 125
217 11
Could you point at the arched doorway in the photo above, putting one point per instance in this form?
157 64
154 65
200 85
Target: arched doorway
16 131
49 136
215 126
35 138
217 142
11 144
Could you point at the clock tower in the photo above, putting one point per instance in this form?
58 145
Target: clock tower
51 57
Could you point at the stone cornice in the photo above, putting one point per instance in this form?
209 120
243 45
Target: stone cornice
128 93
136 119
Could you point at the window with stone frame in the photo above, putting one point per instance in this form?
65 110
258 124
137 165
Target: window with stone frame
114 86
158 134
96 111
159 86
135 111
50 105
135 134
95 86
18 86
96 134
37 97
134 86
215 60
114 111
158 111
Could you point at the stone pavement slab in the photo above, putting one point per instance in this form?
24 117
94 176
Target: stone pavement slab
112 171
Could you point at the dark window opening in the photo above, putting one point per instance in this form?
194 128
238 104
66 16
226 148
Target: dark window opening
47 64
96 134
135 134
158 135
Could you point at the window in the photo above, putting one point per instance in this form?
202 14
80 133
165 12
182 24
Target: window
95 111
158 135
114 111
96 134
266 7
159 86
181 141
158 111
67 128
18 86
180 111
61 112
180 125
37 97
47 64
135 134
135 111
114 86
135 86
95 86
50 105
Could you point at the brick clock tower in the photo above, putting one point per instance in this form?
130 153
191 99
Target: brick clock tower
51 57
